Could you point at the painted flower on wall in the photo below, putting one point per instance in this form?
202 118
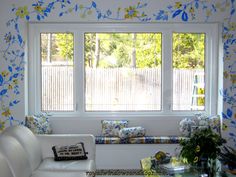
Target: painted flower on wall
22 12
178 5
39 8
131 12
2 125
8 37
6 112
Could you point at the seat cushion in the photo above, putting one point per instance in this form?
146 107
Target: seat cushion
49 164
29 142
39 173
4 167
15 155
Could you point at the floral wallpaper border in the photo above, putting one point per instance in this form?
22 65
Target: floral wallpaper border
190 11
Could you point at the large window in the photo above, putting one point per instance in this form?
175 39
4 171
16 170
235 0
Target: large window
122 71
145 69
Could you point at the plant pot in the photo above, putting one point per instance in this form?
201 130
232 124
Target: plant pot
208 166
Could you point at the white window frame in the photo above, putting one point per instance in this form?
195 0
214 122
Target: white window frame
78 29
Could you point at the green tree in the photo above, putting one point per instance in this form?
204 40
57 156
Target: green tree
188 50
65 43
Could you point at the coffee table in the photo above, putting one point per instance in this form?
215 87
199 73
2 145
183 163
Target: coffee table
146 170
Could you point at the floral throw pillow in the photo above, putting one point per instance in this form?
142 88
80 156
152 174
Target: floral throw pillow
132 132
38 124
113 127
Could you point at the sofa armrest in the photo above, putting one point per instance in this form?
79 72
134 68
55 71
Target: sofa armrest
47 141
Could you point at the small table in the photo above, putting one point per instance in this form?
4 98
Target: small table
150 170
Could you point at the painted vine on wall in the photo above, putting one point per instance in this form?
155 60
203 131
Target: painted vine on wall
14 54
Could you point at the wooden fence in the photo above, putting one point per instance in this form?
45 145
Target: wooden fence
113 89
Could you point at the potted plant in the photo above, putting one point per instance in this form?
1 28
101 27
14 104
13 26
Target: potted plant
202 149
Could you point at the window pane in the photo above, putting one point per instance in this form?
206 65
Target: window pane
123 71
57 71
188 71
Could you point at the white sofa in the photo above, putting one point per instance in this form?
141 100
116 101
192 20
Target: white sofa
22 154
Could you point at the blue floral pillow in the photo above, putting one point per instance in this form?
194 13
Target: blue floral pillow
132 132
113 127
38 124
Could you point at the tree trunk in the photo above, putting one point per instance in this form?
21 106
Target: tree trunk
97 52
133 60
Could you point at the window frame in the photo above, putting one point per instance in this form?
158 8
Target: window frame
78 29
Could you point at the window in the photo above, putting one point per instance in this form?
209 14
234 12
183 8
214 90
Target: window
122 71
57 71
148 69
188 61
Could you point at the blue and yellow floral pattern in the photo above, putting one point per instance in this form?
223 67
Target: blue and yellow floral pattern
13 54
140 140
38 124
113 127
132 132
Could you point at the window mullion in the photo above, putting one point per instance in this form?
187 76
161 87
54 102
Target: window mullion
79 72
167 71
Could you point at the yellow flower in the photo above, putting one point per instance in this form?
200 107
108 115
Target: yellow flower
233 78
5 73
208 13
195 160
6 113
89 12
70 10
198 148
39 9
81 6
10 87
224 127
178 5
2 125
232 26
22 12
226 75
130 12
191 10
15 81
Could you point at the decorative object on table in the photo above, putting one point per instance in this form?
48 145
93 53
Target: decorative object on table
228 157
202 149
71 152
132 132
175 166
39 123
162 157
113 127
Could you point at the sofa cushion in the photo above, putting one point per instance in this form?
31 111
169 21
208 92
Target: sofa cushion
113 127
132 132
49 164
39 173
69 152
38 124
16 156
4 167
29 142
